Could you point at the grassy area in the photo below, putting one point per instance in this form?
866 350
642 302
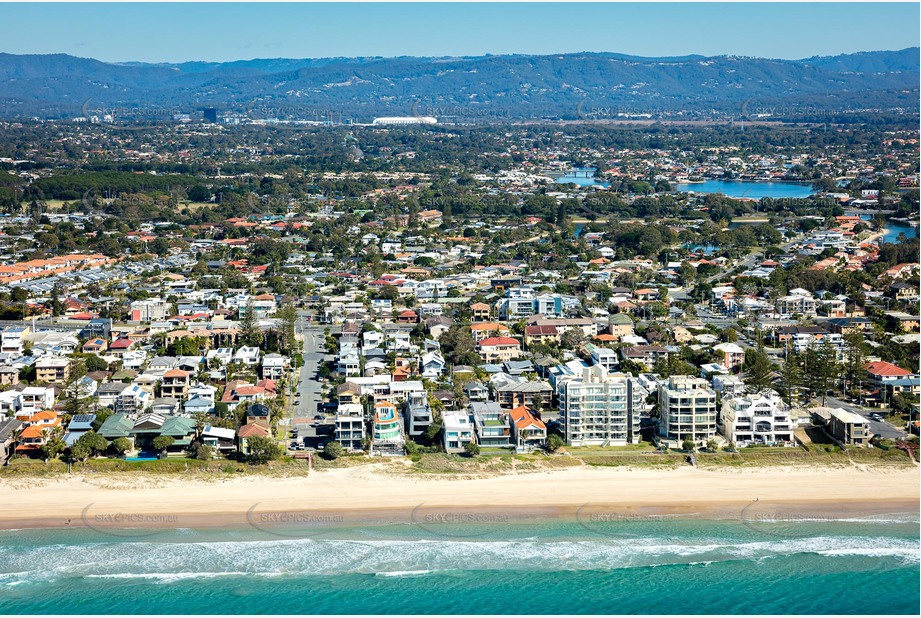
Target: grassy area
642 447
665 460
460 465
167 467
812 455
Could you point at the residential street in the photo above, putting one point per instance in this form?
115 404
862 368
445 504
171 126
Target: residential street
886 430
309 386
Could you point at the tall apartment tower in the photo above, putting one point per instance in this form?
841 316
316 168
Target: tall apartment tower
598 408
687 407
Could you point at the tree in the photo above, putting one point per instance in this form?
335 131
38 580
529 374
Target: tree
458 346
760 369
53 446
161 443
572 339
712 445
80 452
199 193
687 273
203 452
854 366
333 450
821 368
554 442
688 444
472 449
791 378
632 367
287 317
262 450
120 446
94 363
250 332
93 442
76 397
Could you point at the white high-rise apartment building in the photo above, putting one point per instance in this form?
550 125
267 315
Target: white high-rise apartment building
687 407
598 408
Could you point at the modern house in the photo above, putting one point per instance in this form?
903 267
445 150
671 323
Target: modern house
457 431
491 424
417 414
848 428
762 418
175 383
350 426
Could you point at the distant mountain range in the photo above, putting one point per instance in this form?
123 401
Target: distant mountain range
480 88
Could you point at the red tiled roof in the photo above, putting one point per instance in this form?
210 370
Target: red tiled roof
491 341
884 369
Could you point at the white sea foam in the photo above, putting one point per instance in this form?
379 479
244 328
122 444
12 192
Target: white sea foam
166 562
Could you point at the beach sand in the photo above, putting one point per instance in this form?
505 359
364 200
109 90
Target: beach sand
371 492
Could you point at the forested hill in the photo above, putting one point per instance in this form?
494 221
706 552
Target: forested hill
564 86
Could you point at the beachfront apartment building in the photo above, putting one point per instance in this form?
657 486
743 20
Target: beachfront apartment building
848 428
687 408
598 408
457 431
387 430
350 426
762 418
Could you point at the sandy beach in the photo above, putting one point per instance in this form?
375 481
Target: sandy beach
370 492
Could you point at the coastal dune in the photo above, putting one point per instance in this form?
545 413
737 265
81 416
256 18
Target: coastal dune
377 492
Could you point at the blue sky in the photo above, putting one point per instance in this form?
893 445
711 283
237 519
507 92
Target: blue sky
220 32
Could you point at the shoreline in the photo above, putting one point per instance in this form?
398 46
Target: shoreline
361 496
319 521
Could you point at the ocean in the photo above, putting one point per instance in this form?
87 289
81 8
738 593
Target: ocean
757 563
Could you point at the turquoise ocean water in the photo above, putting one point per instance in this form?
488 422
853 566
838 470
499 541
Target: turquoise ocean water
583 565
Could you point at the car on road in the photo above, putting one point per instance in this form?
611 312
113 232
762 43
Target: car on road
318 417
297 402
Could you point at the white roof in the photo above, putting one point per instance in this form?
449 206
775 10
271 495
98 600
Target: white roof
847 417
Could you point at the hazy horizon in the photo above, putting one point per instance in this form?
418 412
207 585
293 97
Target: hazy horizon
215 32
561 53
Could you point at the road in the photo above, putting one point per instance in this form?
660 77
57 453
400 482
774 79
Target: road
309 387
754 258
886 430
